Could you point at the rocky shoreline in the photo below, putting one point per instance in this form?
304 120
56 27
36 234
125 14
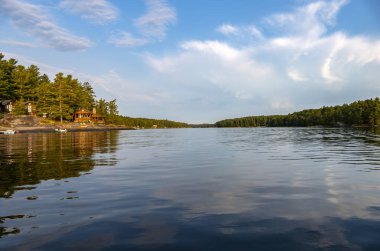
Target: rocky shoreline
33 124
42 129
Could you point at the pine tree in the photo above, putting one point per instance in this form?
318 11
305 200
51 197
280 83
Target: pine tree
112 110
46 96
6 80
61 109
86 96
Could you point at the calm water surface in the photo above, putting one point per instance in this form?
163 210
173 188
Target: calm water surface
191 189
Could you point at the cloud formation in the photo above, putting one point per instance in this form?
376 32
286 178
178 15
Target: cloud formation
33 20
152 26
95 11
240 31
158 17
302 66
17 43
126 39
310 21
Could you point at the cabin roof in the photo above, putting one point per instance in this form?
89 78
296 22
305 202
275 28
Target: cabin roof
5 102
83 111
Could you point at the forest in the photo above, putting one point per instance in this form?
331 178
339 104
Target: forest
61 97
359 113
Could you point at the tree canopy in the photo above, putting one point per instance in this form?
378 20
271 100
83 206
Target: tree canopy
61 97
359 113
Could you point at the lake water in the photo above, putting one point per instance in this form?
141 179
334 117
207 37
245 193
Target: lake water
191 189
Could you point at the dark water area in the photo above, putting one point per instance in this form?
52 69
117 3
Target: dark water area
191 189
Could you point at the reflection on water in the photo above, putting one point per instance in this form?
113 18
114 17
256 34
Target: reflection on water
191 189
26 159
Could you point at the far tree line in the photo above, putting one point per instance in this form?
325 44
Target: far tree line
61 97
359 113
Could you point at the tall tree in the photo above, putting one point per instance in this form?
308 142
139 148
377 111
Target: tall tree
46 96
6 79
112 111
86 96
61 109
33 80
102 107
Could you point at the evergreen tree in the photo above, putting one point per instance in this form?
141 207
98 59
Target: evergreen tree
6 79
61 109
19 107
46 96
86 96
102 107
112 111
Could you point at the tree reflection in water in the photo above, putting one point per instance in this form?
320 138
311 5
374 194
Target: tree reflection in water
27 159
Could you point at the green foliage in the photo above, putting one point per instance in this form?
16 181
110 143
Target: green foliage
102 107
6 79
147 123
62 97
359 113
86 96
19 108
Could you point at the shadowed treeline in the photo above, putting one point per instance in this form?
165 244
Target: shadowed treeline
359 113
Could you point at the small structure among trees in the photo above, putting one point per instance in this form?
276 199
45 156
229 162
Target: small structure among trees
86 116
25 91
19 107
6 106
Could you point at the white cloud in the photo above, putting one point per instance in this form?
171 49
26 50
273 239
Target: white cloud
96 11
34 21
228 29
216 63
125 39
152 26
296 76
17 43
309 21
240 31
265 75
158 17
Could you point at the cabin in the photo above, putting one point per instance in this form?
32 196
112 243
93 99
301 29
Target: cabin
6 106
86 116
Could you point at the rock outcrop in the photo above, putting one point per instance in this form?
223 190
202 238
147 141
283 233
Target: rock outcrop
19 120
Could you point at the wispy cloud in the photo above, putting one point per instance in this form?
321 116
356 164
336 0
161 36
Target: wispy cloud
125 39
296 76
311 20
152 26
157 19
34 20
240 31
17 43
95 11
332 67
228 29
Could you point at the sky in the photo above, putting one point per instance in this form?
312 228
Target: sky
200 61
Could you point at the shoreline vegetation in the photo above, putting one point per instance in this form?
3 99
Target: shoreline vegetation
52 104
364 113
56 101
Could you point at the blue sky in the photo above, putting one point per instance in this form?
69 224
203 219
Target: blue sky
202 61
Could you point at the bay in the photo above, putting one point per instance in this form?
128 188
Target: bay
191 189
